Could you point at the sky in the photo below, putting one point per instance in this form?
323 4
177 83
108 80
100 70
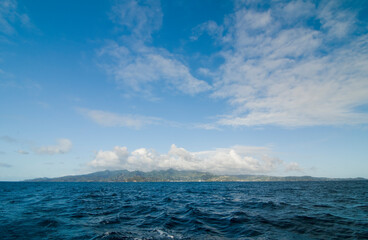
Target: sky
230 87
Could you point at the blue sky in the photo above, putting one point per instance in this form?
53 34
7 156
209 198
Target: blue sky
235 87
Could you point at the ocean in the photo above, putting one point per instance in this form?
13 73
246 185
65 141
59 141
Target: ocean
218 210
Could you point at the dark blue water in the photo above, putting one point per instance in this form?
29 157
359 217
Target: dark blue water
263 210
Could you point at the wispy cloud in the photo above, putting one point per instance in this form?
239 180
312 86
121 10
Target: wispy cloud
5 165
9 80
235 160
8 139
109 119
337 22
139 18
63 146
207 126
23 152
293 167
10 17
7 16
277 73
138 66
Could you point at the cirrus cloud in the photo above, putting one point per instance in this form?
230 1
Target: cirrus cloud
109 119
300 74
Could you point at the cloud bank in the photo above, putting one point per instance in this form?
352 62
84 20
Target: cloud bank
299 74
291 64
235 160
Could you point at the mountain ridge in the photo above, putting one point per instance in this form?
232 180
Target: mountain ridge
172 175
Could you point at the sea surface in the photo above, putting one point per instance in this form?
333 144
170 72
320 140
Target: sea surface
248 210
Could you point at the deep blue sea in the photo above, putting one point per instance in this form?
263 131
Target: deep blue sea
260 210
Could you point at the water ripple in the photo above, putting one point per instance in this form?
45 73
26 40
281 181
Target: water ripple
284 210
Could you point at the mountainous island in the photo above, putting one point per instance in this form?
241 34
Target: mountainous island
172 175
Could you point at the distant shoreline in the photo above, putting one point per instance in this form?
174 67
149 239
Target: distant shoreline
172 175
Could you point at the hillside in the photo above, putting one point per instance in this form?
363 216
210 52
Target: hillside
172 175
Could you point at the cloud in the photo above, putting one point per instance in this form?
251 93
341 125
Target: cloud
10 17
277 73
234 160
8 139
7 16
207 126
110 159
136 65
5 165
63 146
22 152
338 22
293 167
140 19
210 27
110 119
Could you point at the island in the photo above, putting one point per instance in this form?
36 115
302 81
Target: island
172 175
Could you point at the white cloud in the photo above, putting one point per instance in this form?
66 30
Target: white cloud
135 65
234 160
140 67
295 11
63 146
207 126
338 22
110 159
209 27
110 119
290 64
292 75
293 166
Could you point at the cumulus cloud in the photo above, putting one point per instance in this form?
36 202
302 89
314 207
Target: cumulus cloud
110 119
63 146
110 159
136 65
234 160
278 73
